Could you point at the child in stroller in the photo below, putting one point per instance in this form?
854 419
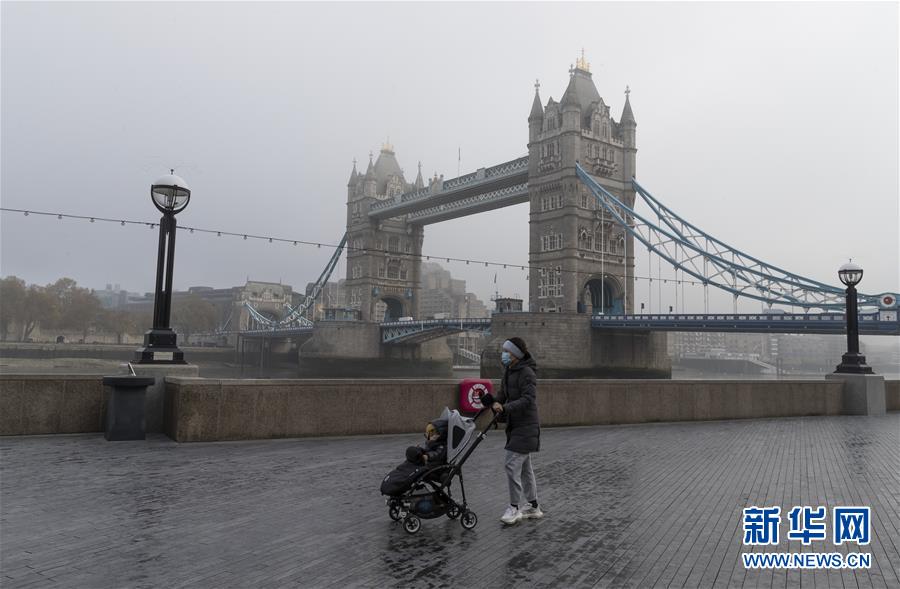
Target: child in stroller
420 486
419 460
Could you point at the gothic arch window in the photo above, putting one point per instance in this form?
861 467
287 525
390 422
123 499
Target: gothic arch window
393 243
357 271
393 269
587 239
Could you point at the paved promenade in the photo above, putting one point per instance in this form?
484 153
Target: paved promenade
626 506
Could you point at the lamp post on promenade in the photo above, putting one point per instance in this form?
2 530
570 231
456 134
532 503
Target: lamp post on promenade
170 194
852 362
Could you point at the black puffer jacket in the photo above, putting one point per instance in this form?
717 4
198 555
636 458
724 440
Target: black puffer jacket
436 450
518 395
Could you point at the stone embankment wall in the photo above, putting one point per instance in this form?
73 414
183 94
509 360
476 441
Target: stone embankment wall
199 409
892 395
51 404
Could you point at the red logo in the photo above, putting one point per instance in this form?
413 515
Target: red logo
474 395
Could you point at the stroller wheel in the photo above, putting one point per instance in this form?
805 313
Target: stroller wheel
412 524
453 512
468 520
394 512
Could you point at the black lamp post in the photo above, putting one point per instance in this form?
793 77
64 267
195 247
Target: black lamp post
852 362
170 195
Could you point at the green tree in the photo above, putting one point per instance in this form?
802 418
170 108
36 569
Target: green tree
76 308
143 321
12 300
192 314
61 293
83 311
117 321
38 308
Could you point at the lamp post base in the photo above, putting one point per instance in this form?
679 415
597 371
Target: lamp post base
863 394
160 347
853 364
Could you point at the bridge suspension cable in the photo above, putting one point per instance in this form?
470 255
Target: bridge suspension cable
706 258
296 317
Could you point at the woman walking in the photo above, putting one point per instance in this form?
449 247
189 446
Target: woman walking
517 404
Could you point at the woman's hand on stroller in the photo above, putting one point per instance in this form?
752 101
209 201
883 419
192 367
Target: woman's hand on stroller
497 407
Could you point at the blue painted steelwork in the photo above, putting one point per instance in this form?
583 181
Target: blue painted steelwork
832 323
485 180
296 317
278 332
679 244
691 232
477 203
407 332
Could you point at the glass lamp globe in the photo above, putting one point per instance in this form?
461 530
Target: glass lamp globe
850 274
170 194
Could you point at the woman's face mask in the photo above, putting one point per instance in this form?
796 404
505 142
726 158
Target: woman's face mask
505 358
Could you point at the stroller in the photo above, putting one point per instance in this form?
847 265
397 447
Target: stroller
422 492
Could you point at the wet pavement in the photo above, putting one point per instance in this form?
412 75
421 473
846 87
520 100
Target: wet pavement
655 505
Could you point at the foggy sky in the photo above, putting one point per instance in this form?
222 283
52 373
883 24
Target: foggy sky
772 126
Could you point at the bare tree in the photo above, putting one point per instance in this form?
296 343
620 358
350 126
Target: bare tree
12 300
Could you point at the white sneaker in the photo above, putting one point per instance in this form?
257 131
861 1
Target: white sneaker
532 513
511 515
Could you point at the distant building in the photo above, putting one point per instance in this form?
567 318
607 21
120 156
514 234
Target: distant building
804 353
331 297
269 298
507 305
441 294
113 297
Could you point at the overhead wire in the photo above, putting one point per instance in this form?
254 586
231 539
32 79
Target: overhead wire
272 239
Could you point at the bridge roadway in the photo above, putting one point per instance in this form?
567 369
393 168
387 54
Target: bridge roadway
822 323
417 331
652 505
485 189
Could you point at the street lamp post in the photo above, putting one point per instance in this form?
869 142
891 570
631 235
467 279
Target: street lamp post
852 362
170 194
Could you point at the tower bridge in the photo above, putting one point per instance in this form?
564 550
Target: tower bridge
579 180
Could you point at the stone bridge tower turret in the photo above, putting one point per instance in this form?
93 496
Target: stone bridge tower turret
383 257
585 261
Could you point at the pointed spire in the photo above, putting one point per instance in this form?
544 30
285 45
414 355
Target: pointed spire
419 182
627 115
537 111
570 96
370 171
354 174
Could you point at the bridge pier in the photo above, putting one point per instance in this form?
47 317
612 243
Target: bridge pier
565 346
353 349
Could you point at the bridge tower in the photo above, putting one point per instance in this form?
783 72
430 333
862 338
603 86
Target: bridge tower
383 267
585 262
